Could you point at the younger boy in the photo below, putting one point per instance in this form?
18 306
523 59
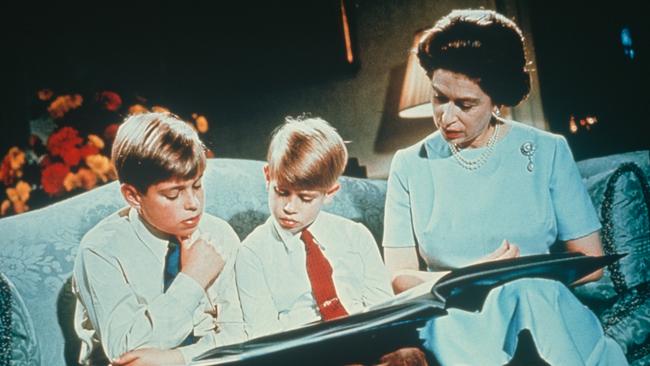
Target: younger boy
131 296
304 265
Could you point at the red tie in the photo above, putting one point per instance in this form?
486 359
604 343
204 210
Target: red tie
319 271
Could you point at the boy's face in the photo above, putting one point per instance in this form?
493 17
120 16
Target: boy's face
172 206
294 209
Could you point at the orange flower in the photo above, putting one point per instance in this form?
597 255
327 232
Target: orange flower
20 193
11 166
86 178
52 178
201 123
4 207
20 207
70 181
45 94
64 103
137 109
110 100
159 109
16 158
96 140
23 190
12 194
101 166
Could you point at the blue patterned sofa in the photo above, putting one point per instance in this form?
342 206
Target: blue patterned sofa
37 251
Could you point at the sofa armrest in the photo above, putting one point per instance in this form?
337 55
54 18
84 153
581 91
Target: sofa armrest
621 298
18 343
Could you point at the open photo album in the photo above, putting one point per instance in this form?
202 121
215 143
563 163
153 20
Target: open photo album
363 337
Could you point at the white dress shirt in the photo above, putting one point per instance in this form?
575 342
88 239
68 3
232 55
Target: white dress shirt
118 279
272 280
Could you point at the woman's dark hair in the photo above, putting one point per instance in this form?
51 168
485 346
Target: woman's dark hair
484 45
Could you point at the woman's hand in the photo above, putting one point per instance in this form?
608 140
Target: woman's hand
505 251
587 245
150 357
403 264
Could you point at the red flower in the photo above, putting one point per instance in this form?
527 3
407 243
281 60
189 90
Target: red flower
52 178
89 149
109 132
45 161
110 100
6 175
71 156
62 140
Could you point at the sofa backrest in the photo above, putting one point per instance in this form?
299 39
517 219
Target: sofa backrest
38 248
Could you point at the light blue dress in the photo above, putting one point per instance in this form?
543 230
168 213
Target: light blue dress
528 192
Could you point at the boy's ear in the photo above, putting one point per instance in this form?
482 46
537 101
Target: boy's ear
330 193
131 195
267 175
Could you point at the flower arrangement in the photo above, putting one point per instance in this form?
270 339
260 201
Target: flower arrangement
67 154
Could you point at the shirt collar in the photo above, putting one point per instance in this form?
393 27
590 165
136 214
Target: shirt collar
155 240
293 241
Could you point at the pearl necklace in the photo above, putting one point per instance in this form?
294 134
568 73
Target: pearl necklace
482 159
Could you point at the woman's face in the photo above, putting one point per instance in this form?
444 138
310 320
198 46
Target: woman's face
461 110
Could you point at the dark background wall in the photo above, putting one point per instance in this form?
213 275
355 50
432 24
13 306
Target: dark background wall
585 71
248 65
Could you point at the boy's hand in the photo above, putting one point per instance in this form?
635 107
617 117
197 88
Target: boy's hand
150 357
200 260
409 356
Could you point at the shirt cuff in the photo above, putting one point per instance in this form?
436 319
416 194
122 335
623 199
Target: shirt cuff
186 291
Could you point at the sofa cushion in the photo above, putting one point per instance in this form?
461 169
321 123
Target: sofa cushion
622 206
628 323
18 344
618 186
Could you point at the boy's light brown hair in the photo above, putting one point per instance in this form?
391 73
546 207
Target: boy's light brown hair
306 153
153 147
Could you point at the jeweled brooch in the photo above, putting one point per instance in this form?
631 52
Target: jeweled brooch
528 150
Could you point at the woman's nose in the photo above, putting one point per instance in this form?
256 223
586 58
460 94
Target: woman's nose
448 114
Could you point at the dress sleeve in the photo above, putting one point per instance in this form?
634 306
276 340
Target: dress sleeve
574 211
398 223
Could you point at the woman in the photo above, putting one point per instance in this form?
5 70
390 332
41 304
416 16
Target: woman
484 188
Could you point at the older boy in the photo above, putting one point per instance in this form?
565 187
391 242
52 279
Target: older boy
154 279
304 265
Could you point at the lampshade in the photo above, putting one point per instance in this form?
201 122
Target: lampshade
415 99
